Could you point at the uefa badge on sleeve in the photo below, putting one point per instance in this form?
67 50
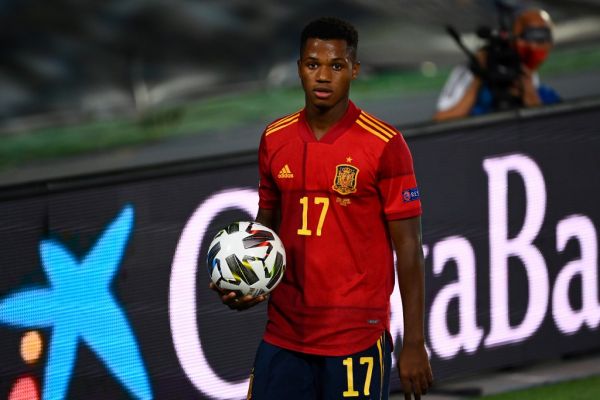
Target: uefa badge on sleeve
410 194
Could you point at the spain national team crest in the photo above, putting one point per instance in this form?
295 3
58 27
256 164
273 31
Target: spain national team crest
345 179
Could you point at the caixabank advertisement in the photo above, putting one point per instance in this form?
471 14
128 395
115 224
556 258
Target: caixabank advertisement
104 286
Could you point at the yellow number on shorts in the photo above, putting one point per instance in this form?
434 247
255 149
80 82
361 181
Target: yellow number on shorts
350 376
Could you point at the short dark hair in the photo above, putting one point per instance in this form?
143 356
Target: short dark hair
331 28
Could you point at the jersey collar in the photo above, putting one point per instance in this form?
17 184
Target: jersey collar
338 129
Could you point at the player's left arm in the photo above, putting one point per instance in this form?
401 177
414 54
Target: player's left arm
413 362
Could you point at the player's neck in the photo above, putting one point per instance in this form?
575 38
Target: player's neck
321 120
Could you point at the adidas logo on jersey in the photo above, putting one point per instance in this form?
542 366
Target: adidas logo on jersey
285 172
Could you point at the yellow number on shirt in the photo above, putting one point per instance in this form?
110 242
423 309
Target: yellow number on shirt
304 231
350 376
324 201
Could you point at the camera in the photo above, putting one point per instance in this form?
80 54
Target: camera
502 66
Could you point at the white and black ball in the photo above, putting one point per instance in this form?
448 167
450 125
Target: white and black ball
246 257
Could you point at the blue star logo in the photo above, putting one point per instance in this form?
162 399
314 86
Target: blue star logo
78 306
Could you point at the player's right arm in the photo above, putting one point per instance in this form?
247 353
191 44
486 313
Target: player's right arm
269 218
266 216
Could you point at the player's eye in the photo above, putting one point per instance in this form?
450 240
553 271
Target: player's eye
311 65
337 67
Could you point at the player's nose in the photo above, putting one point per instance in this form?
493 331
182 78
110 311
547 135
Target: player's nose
323 74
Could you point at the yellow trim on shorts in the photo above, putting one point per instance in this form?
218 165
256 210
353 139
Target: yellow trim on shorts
250 384
379 348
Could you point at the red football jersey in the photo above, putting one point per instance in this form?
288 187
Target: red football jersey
336 196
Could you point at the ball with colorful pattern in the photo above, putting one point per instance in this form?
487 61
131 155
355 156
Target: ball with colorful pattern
247 258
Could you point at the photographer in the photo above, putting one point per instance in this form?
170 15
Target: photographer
474 91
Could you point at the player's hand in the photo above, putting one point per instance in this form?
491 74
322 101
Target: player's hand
236 302
415 371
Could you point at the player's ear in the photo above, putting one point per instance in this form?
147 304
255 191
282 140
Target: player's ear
298 61
355 69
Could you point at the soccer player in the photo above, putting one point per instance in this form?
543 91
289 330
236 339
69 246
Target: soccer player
338 185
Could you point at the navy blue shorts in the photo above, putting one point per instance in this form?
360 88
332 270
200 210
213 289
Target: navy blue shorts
284 374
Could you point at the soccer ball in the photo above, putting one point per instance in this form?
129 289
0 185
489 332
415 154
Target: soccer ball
246 257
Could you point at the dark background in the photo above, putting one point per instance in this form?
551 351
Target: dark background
453 187
66 61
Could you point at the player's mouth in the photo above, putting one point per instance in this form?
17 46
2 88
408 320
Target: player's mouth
323 93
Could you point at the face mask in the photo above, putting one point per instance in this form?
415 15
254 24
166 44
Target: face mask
532 57
539 35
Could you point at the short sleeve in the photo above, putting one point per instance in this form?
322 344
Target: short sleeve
267 190
455 87
397 183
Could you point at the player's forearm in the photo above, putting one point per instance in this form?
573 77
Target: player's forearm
406 235
265 217
269 218
412 289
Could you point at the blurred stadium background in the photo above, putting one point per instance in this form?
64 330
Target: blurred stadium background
95 86
80 77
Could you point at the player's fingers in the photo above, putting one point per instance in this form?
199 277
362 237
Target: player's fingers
260 299
428 379
422 381
406 388
429 376
248 301
424 385
228 296
230 299
244 302
416 388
